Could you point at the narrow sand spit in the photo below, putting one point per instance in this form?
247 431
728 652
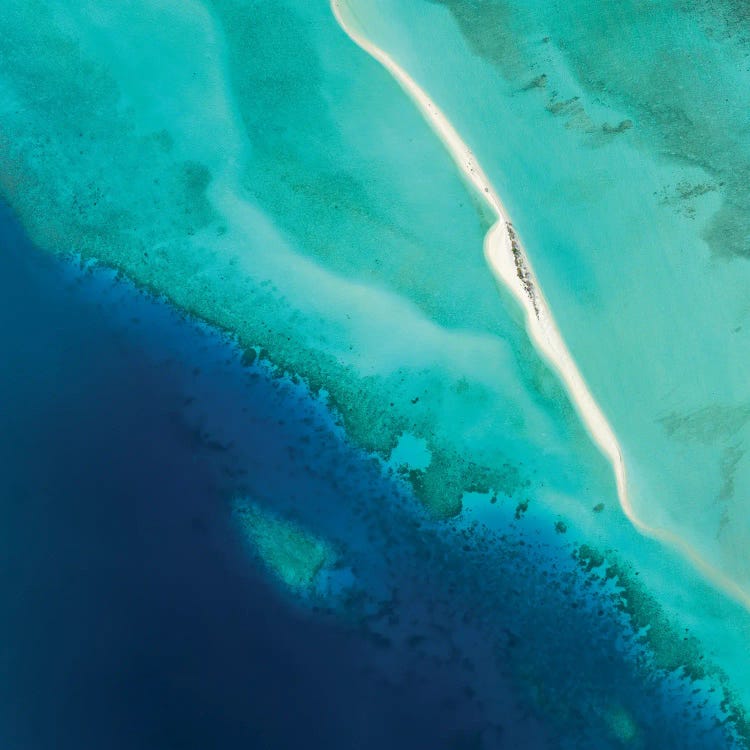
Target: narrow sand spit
507 260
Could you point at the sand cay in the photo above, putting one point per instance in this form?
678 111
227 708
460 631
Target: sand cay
508 262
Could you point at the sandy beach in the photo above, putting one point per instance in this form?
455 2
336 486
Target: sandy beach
509 264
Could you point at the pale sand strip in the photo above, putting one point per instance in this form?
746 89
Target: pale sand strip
508 262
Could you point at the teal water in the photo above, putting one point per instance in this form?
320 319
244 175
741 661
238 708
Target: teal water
288 227
617 137
255 168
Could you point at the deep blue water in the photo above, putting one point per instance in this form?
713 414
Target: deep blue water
131 617
134 617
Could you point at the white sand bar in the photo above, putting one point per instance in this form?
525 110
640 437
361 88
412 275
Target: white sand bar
507 260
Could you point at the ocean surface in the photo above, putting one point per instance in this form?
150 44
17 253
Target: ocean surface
280 463
137 614
134 616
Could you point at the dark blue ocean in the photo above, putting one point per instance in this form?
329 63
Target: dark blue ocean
134 616
131 616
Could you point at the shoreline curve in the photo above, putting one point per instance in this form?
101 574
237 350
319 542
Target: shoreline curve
509 264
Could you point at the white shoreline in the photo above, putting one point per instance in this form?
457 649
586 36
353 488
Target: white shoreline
509 264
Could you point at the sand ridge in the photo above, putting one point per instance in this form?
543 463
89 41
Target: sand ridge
509 264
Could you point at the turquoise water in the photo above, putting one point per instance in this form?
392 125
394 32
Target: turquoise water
255 168
623 171
617 137
293 251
